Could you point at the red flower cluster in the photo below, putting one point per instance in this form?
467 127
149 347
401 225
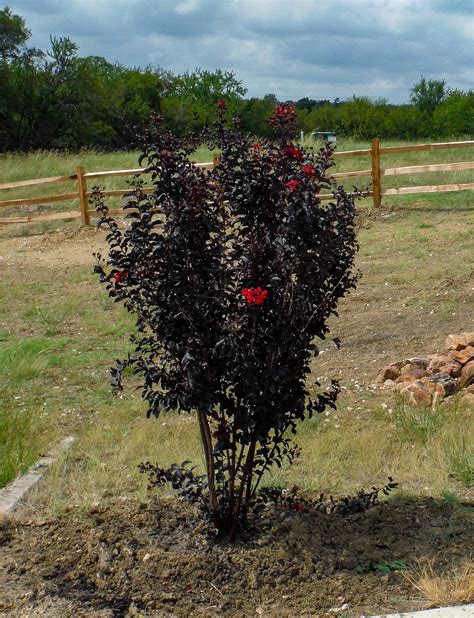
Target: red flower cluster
254 296
120 276
292 185
256 146
293 152
221 103
285 111
309 170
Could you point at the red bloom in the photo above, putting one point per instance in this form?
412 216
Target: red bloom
309 170
120 276
256 146
283 111
298 506
293 152
254 296
292 185
221 103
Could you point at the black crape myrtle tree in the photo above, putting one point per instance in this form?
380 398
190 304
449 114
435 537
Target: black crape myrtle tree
232 274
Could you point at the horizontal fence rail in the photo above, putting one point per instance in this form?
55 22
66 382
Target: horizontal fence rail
376 172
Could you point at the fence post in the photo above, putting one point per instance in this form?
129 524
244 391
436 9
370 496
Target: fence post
376 176
83 201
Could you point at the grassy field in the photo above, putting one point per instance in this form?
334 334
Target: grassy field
15 167
59 333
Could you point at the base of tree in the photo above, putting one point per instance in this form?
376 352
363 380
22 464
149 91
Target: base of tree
126 558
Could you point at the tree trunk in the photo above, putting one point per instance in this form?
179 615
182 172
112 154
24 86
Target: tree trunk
207 445
246 479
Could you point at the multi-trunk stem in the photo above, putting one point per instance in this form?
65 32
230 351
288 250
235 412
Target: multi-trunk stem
210 469
244 485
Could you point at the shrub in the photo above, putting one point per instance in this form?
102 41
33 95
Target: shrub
231 274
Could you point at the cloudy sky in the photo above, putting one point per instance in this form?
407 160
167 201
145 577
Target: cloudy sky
322 49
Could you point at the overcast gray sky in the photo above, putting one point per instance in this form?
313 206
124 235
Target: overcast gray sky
322 49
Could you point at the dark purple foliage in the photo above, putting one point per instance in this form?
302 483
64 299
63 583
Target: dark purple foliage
232 275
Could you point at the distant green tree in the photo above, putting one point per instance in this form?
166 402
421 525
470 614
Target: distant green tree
192 98
309 104
322 118
427 95
201 85
455 116
13 34
362 118
48 93
254 113
403 122
272 98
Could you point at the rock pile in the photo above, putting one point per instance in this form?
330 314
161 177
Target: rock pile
427 381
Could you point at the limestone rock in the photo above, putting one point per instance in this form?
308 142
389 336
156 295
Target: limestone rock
438 360
405 378
414 370
422 363
400 386
453 369
436 378
468 398
469 338
456 342
463 356
390 372
467 374
417 394
435 388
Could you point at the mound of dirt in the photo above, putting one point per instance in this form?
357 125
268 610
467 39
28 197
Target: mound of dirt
127 559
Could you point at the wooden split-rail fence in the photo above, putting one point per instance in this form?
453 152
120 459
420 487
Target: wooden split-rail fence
376 172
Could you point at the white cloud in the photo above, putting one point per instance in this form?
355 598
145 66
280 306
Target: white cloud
188 6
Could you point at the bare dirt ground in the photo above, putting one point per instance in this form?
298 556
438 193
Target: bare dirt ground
69 246
127 558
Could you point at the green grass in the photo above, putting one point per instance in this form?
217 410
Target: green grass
418 424
18 444
459 453
24 431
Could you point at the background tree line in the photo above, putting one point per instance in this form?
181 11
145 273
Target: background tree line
57 99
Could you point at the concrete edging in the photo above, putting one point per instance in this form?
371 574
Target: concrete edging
17 491
456 611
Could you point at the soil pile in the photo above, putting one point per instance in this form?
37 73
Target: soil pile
126 558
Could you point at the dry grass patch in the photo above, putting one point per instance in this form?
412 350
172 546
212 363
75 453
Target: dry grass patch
455 587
